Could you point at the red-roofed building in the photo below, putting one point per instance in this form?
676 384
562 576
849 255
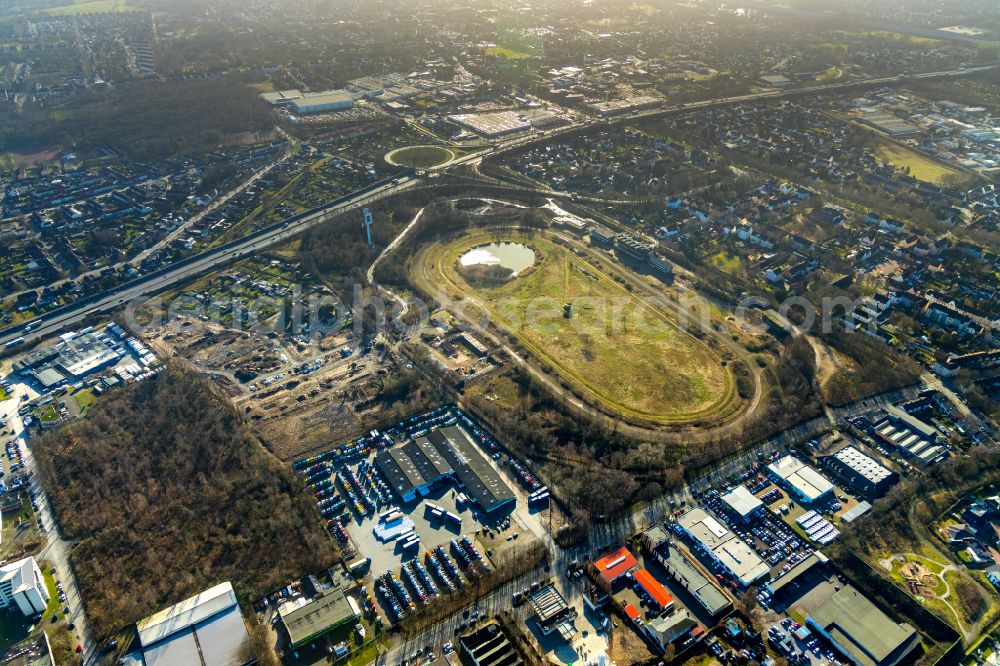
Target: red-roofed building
617 564
654 589
632 612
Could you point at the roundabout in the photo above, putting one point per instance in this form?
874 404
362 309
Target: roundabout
421 157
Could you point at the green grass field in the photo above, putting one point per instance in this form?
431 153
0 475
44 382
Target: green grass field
726 262
422 157
91 7
622 350
921 167
505 53
898 36
84 399
47 414
830 74
53 606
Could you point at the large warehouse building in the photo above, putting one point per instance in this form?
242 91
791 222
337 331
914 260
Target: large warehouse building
323 102
717 542
689 575
492 125
861 631
206 629
75 356
281 97
742 502
861 472
910 436
858 628
307 620
805 483
444 454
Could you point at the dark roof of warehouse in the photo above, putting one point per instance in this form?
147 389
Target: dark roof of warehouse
489 646
391 463
471 467
317 616
443 452
862 629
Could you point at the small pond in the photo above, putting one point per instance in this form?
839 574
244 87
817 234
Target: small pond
513 256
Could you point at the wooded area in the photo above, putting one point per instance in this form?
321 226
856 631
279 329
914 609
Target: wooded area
168 492
879 368
144 120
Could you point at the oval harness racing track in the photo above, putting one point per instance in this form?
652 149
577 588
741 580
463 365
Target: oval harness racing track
722 407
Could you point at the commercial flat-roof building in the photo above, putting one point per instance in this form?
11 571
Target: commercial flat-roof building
613 566
602 237
673 628
617 107
447 453
322 102
552 612
488 646
307 620
654 537
800 479
910 436
693 578
75 356
281 97
890 124
492 125
717 542
861 472
473 471
839 612
860 630
791 578
207 629
742 502
22 586
776 80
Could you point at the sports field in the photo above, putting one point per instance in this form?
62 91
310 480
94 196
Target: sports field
507 54
920 167
616 347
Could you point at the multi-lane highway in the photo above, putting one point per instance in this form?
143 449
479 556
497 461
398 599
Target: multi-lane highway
602 535
70 315
542 137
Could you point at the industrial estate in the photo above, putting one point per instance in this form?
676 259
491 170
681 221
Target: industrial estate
484 334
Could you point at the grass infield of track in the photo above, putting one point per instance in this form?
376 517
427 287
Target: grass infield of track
625 352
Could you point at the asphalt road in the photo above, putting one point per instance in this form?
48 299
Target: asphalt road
56 549
602 535
612 534
56 322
